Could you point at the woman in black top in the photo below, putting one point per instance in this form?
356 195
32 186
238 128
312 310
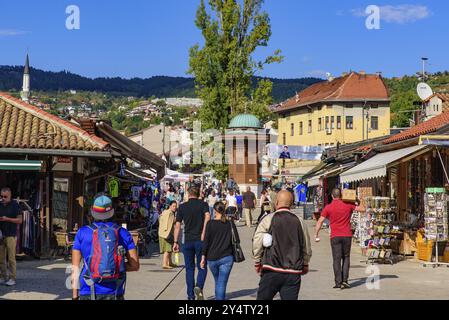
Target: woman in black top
217 249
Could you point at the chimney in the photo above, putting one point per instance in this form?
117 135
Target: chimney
344 74
379 73
362 72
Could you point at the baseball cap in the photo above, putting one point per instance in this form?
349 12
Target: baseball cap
102 208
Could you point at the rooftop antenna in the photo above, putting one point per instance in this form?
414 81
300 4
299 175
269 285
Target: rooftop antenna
424 75
424 90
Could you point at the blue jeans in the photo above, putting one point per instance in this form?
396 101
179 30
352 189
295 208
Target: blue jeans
192 249
221 269
212 213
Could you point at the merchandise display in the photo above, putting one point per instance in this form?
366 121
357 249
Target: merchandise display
435 226
435 214
377 229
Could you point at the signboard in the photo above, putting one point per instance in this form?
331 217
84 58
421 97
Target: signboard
276 151
63 164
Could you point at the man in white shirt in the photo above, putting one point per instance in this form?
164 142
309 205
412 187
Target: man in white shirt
231 203
212 199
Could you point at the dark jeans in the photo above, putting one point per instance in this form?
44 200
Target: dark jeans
271 283
191 250
240 211
221 269
341 253
103 297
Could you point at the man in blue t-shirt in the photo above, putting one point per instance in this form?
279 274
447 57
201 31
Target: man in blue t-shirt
102 213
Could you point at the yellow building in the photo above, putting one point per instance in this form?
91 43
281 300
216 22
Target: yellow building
354 107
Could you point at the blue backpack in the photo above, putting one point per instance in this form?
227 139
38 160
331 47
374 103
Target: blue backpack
106 262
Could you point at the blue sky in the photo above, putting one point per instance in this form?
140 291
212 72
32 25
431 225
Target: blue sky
143 38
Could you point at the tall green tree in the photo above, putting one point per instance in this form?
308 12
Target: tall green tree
224 66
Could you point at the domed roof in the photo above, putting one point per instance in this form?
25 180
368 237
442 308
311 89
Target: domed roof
245 121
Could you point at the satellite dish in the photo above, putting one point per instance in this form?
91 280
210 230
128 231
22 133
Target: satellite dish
424 91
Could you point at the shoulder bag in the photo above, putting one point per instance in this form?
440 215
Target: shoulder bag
236 248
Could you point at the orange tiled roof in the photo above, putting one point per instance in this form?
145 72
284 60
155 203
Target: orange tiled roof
27 127
426 127
352 87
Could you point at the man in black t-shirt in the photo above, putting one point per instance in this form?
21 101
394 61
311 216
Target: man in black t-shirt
10 217
195 216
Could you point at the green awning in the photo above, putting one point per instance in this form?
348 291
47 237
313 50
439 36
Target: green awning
20 165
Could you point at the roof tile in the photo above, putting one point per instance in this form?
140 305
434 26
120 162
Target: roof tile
26 126
426 127
351 87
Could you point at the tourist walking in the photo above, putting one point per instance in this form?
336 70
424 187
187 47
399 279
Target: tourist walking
339 215
239 198
195 216
281 251
211 201
166 234
10 217
265 205
231 204
249 205
218 249
100 248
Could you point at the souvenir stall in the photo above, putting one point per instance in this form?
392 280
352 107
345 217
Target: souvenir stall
22 177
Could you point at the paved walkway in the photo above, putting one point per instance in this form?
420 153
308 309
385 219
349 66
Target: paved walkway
405 280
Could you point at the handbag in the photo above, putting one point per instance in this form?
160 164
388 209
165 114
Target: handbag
236 248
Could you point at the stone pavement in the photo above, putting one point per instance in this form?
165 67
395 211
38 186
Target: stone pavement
405 280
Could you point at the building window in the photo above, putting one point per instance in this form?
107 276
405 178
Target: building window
310 126
350 122
300 129
332 122
320 124
338 122
374 123
327 122
292 129
284 139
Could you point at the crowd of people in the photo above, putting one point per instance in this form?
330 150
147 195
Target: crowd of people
201 223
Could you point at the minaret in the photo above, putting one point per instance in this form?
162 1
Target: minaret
25 94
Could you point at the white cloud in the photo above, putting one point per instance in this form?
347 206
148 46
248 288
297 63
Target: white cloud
401 14
11 32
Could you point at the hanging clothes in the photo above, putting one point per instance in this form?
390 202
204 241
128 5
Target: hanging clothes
113 187
301 193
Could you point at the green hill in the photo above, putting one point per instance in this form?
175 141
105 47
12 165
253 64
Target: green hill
159 86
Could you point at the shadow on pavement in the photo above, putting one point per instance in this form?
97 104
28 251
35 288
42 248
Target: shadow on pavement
242 293
361 281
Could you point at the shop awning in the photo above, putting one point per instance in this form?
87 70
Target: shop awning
376 167
330 172
20 165
131 149
439 141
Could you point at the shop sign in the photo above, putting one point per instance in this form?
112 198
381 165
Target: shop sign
63 164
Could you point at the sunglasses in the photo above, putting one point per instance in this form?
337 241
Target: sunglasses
4 197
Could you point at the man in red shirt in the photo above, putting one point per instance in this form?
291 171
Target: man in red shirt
339 214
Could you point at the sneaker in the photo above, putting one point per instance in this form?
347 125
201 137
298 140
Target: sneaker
198 293
337 286
11 283
346 285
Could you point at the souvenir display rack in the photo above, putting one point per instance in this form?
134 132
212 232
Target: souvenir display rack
436 219
378 230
